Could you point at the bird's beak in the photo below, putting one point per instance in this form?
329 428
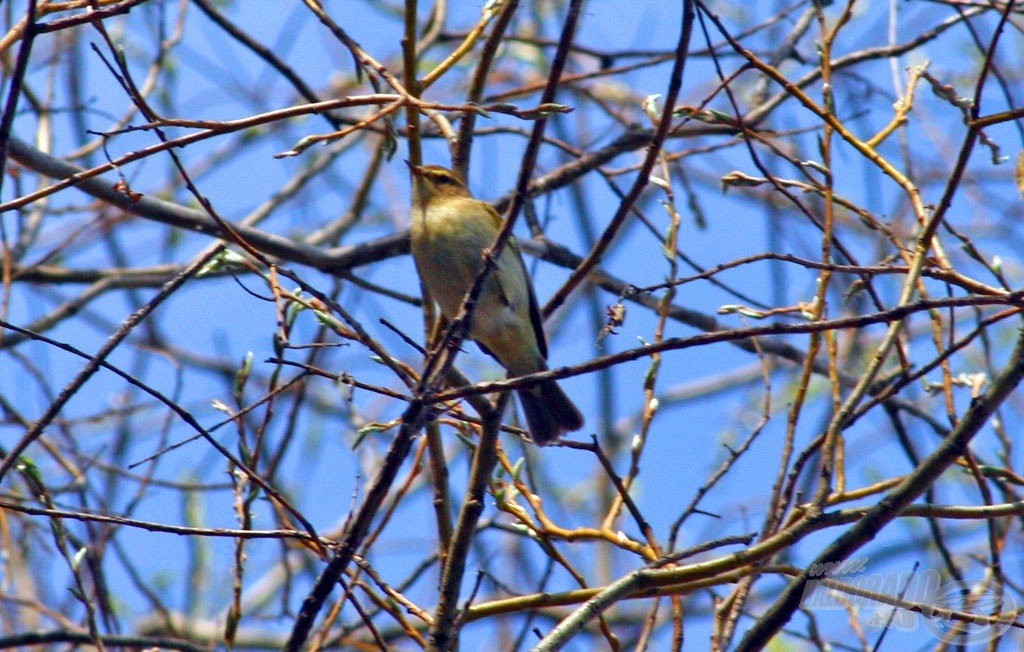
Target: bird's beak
415 169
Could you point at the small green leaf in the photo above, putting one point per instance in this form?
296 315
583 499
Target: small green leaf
242 376
658 181
76 561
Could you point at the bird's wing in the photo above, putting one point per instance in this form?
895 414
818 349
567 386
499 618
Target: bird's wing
535 318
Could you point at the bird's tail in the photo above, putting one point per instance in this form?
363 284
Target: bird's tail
549 412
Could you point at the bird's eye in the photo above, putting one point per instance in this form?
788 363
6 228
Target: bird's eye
446 179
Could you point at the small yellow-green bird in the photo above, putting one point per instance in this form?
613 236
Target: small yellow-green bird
450 230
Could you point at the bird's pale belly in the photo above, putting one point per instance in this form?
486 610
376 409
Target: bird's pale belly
500 320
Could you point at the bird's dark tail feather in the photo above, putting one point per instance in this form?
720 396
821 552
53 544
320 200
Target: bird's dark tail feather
549 412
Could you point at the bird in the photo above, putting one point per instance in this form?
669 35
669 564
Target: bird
449 232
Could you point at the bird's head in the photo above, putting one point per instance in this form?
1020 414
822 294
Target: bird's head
433 182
